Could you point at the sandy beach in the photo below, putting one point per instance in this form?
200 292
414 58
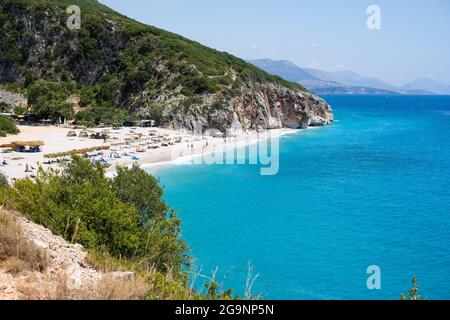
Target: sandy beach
125 147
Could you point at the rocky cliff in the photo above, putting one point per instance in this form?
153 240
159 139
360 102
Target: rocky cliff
256 107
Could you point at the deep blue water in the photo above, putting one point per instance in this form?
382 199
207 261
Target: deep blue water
374 189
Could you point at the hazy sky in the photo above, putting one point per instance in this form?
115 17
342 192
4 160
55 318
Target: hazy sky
414 41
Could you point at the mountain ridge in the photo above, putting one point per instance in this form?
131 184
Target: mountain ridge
428 84
350 78
290 71
347 82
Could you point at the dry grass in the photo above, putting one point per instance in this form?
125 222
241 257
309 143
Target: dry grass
13 265
108 288
158 286
16 254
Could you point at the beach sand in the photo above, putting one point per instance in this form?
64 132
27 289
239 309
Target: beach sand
56 140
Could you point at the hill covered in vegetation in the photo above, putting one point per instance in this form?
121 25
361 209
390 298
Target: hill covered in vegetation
120 69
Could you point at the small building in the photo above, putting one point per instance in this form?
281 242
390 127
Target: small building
146 123
47 122
140 123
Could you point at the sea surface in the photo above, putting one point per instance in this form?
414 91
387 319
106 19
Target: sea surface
373 189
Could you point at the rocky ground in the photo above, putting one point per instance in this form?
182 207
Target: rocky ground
12 99
67 275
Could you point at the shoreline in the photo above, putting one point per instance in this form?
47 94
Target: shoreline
56 140
242 141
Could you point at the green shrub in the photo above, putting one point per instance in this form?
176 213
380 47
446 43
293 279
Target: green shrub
80 209
20 110
3 180
4 107
137 187
156 112
87 96
103 114
48 100
125 218
7 126
413 294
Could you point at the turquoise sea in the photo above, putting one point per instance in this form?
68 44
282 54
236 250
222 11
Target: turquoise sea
374 189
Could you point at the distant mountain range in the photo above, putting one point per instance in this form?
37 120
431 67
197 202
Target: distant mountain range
346 82
428 84
285 69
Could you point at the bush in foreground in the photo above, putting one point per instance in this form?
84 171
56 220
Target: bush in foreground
3 180
124 224
82 205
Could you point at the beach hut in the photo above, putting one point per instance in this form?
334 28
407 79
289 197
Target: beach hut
27 146
71 134
6 148
84 134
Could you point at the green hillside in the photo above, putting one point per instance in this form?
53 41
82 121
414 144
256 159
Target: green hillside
113 62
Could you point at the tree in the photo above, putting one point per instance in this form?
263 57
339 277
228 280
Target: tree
87 96
136 186
160 222
48 100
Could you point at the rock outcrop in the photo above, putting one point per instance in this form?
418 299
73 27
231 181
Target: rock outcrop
12 99
68 273
257 107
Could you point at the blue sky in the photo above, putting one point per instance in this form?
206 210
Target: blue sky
414 41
